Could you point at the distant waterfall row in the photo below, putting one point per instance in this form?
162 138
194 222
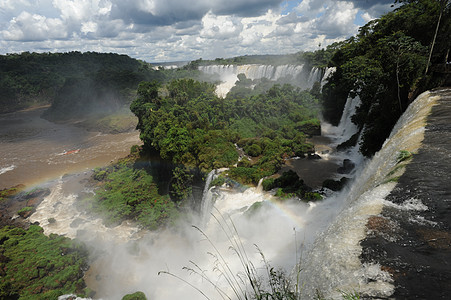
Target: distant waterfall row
298 75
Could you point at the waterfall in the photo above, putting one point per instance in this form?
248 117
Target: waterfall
207 198
330 231
297 75
346 128
333 261
326 75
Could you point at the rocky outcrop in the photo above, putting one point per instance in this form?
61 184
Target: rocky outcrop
347 167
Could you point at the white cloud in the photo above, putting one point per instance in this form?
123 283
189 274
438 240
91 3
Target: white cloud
179 29
338 20
32 27
80 10
87 27
220 27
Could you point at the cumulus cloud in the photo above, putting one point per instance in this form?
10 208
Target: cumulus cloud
157 30
337 20
220 27
32 27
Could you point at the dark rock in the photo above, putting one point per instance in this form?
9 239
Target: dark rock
313 156
335 185
347 167
351 142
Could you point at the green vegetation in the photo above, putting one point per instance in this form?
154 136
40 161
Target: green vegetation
319 58
404 155
289 185
77 85
129 192
117 122
184 122
34 266
135 296
385 66
6 193
23 211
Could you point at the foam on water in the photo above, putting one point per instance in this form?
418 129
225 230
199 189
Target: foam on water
333 262
7 169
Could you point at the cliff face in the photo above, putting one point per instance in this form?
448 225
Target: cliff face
411 238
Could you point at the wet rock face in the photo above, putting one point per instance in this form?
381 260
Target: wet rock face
411 239
347 167
13 206
313 156
335 185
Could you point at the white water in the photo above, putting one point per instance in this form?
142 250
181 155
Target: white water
298 75
326 75
346 128
326 234
332 262
7 169
68 221
207 198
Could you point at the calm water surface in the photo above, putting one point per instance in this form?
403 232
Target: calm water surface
34 150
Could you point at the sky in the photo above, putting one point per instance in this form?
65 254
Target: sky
181 30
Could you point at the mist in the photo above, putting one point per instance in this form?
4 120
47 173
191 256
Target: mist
282 231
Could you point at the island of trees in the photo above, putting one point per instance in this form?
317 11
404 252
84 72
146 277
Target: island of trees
187 130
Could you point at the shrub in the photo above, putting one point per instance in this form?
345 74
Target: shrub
135 296
24 211
404 155
253 150
268 184
35 266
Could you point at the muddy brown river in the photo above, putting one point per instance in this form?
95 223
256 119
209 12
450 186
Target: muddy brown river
34 150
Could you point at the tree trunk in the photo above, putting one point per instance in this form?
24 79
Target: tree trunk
442 7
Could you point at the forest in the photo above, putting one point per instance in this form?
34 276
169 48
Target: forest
190 131
390 61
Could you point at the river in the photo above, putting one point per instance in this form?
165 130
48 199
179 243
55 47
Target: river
324 237
34 150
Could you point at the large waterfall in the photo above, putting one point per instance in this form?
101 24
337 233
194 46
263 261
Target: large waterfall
321 239
299 75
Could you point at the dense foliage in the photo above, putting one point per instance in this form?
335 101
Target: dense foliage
318 58
135 296
75 83
289 185
385 66
129 192
34 266
186 123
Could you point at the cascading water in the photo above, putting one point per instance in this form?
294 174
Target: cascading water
326 75
207 198
330 232
298 75
346 128
333 261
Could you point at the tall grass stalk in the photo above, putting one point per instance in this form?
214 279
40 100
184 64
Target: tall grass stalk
277 286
